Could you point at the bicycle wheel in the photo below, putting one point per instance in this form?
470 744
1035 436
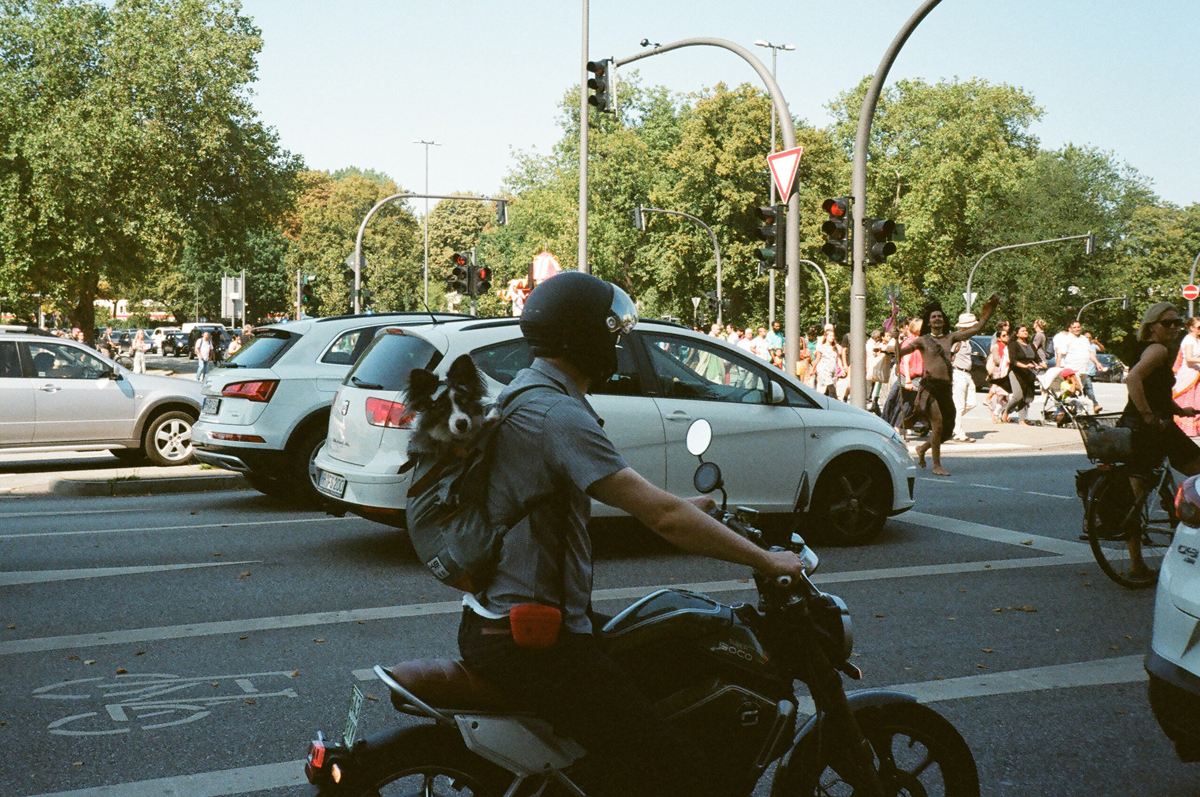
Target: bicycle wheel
1111 519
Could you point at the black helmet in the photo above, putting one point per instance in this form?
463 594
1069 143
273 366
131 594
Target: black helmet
578 318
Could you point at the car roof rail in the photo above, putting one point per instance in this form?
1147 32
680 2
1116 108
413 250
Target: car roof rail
26 330
490 323
402 313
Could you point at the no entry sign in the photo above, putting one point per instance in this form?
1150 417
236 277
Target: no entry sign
1191 292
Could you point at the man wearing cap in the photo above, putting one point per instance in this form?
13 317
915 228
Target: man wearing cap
963 385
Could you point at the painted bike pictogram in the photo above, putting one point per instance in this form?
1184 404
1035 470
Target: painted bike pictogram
152 701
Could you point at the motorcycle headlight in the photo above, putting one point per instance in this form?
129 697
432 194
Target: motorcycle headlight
833 622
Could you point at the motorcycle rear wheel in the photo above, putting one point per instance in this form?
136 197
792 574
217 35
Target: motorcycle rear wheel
425 760
918 752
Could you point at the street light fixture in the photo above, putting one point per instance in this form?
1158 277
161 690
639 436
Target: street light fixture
775 48
427 144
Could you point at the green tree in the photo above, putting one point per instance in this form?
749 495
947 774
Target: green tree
125 128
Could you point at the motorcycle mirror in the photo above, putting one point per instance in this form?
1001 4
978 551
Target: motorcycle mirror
707 477
699 437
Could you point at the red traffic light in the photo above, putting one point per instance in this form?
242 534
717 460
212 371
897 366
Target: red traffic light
836 207
458 259
484 273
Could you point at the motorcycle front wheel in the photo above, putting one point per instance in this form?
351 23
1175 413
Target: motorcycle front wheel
918 753
425 760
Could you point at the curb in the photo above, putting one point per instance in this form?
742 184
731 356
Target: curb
147 486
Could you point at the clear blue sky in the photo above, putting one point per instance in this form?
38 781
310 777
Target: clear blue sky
354 82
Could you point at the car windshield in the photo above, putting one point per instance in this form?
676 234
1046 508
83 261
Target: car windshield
263 349
386 364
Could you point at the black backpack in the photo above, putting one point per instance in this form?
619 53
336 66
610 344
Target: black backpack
447 512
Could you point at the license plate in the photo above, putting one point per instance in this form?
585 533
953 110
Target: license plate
211 405
332 484
356 703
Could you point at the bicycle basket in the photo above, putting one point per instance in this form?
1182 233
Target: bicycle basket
1103 440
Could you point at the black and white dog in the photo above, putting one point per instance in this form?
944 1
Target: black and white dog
450 413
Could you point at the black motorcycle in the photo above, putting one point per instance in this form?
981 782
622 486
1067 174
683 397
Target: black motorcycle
725 673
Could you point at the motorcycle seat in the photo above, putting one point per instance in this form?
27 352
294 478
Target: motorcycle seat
445 683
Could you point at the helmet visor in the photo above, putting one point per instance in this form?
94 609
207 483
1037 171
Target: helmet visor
622 314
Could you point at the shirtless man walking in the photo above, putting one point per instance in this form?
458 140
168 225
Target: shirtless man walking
936 394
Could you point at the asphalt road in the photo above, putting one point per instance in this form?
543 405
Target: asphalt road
196 643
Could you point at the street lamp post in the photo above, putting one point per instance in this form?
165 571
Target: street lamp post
775 48
427 144
1123 299
716 247
970 297
824 280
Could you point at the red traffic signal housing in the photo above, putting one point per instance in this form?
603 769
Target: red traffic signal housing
838 208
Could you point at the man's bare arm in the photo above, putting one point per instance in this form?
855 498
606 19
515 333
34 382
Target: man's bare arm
986 314
685 525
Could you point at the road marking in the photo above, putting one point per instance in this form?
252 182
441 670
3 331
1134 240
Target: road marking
14 577
1052 495
57 513
244 780
364 675
159 633
290 522
990 487
951 482
993 533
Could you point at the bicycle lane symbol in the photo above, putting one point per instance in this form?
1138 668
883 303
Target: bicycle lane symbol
152 701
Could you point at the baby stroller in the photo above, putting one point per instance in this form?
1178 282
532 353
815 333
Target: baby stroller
1055 409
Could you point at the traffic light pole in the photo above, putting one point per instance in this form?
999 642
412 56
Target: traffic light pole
858 282
788 131
716 248
970 297
362 228
1192 281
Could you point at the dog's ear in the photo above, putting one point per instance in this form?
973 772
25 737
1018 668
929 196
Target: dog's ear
464 374
421 386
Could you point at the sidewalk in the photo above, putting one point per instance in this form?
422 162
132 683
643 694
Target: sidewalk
87 475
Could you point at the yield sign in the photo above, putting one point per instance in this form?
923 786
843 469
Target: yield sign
783 170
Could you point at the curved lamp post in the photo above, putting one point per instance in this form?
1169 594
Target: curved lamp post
1124 300
970 297
713 235
826 281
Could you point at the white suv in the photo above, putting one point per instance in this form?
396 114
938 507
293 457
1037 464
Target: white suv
782 447
266 409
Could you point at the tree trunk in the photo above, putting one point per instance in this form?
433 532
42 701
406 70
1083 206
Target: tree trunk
84 313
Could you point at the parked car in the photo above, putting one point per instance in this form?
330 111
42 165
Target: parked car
1116 369
783 448
58 394
159 336
266 410
175 344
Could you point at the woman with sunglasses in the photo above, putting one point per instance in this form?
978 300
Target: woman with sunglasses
1150 412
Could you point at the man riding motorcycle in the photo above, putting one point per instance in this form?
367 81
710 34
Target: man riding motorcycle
552 457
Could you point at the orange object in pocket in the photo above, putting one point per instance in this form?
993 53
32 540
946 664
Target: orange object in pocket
535 625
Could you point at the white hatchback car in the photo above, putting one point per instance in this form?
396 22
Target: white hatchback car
781 447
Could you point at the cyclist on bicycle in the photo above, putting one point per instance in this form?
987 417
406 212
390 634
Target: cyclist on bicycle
1151 409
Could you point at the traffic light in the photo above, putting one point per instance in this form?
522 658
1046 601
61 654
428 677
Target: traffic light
879 239
501 212
480 282
712 303
599 84
772 230
836 229
639 220
460 273
1089 243
367 298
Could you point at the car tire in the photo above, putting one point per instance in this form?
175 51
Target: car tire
268 485
168 439
851 501
300 468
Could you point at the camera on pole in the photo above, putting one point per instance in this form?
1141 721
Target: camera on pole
600 98
836 229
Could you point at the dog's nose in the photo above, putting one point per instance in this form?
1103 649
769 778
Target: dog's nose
462 424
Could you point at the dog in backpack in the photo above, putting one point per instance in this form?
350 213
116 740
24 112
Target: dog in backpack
450 413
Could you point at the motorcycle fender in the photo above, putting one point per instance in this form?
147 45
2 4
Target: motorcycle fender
866 698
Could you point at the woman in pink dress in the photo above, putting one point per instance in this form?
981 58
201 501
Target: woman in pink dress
1187 378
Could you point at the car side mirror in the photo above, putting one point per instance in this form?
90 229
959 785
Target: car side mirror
777 395
114 374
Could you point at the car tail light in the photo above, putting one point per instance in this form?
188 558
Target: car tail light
1187 504
257 390
391 414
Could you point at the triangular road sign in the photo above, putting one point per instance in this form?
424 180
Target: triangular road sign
783 170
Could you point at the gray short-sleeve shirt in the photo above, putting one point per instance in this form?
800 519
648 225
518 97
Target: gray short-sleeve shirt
553 445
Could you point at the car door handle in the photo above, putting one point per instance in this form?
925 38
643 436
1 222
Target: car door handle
679 416
49 388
